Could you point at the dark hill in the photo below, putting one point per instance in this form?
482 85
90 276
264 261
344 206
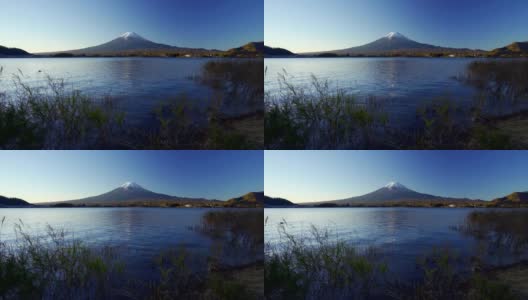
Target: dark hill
512 199
257 199
4 51
515 49
249 49
269 51
5 202
275 202
254 199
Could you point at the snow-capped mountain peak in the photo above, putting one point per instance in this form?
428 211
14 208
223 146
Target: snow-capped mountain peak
131 185
131 35
395 185
393 35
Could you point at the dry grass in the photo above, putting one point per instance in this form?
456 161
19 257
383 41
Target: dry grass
252 278
241 228
503 80
251 127
516 278
516 129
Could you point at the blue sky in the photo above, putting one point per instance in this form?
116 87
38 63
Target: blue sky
304 176
316 25
40 176
54 25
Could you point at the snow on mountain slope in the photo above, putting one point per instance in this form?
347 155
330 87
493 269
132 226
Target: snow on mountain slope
396 35
131 185
131 35
395 185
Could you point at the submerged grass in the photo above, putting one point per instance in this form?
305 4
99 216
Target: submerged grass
239 79
58 117
502 79
242 228
501 232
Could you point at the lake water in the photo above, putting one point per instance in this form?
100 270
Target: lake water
137 84
139 234
403 234
402 84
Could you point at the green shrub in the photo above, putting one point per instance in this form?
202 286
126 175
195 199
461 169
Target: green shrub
55 267
320 117
319 267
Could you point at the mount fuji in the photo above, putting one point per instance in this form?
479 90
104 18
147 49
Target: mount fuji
393 42
393 192
128 192
126 43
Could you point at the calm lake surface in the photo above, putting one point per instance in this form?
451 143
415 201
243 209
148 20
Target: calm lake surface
138 85
403 84
139 234
403 234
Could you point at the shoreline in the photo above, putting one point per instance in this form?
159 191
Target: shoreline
133 56
402 56
133 206
400 206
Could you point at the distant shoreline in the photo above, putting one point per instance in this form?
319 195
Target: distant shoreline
398 206
131 206
132 56
400 56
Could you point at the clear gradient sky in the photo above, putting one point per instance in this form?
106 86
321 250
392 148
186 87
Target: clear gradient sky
305 176
55 25
317 25
42 176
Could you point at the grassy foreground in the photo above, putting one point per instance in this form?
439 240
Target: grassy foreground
56 266
58 117
325 117
322 266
